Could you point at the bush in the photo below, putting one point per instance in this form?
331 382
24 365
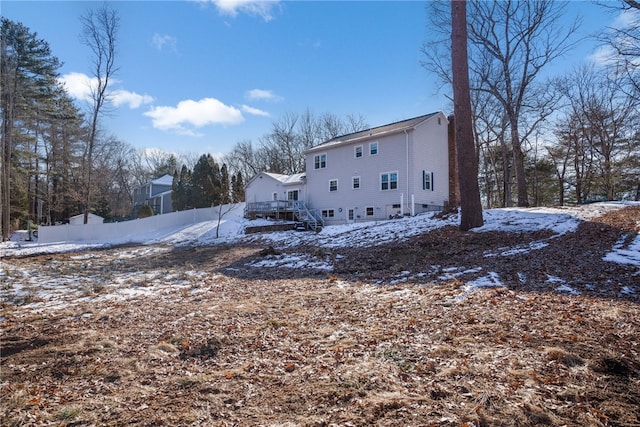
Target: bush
145 211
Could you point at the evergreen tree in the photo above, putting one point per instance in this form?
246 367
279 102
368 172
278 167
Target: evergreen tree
206 182
182 190
27 72
237 188
225 186
168 166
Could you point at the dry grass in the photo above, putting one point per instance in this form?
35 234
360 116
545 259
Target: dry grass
307 352
229 346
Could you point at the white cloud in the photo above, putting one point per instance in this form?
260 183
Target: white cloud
627 18
254 111
603 56
162 41
606 55
78 85
262 95
191 114
261 8
132 99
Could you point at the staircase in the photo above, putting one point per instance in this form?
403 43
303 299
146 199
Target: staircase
310 219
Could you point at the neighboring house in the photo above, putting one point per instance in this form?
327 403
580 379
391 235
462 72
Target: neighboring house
91 219
155 193
397 169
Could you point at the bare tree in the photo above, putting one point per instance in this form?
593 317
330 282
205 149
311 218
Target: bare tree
511 42
283 146
470 206
99 31
599 131
625 42
243 159
223 209
517 39
282 149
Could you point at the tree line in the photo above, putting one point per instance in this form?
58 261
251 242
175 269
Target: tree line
57 160
545 139
208 184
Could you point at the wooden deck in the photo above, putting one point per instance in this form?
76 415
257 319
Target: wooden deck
276 209
285 210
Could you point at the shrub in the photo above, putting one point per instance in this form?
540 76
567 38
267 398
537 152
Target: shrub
145 211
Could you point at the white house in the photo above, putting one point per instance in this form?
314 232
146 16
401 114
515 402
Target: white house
397 169
92 219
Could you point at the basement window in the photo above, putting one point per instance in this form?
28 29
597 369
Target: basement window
328 213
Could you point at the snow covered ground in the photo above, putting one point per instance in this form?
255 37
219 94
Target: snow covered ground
557 220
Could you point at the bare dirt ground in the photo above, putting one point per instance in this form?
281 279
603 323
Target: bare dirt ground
201 338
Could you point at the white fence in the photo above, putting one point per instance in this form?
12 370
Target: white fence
126 231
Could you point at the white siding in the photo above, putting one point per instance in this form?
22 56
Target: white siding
263 186
430 155
407 153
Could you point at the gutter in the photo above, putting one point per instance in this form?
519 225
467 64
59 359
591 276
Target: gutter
406 134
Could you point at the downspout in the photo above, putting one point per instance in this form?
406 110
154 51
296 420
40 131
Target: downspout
406 134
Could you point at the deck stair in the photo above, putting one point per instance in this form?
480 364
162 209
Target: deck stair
309 218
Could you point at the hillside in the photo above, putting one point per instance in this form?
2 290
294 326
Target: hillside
531 320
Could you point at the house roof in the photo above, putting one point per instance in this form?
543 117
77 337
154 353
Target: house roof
163 180
90 216
373 132
295 179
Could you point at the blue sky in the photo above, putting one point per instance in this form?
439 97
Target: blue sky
199 76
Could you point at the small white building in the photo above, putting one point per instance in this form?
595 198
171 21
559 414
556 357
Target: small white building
268 186
92 219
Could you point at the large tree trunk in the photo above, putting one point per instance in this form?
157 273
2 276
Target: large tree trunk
470 205
518 163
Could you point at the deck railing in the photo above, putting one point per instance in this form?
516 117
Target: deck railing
276 207
271 206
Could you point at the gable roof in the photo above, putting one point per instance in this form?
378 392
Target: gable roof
373 132
163 180
91 215
295 179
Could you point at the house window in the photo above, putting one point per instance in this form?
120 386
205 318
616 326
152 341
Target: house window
373 148
358 151
355 182
292 195
275 197
396 206
351 216
389 181
333 185
328 213
320 161
427 180
369 211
